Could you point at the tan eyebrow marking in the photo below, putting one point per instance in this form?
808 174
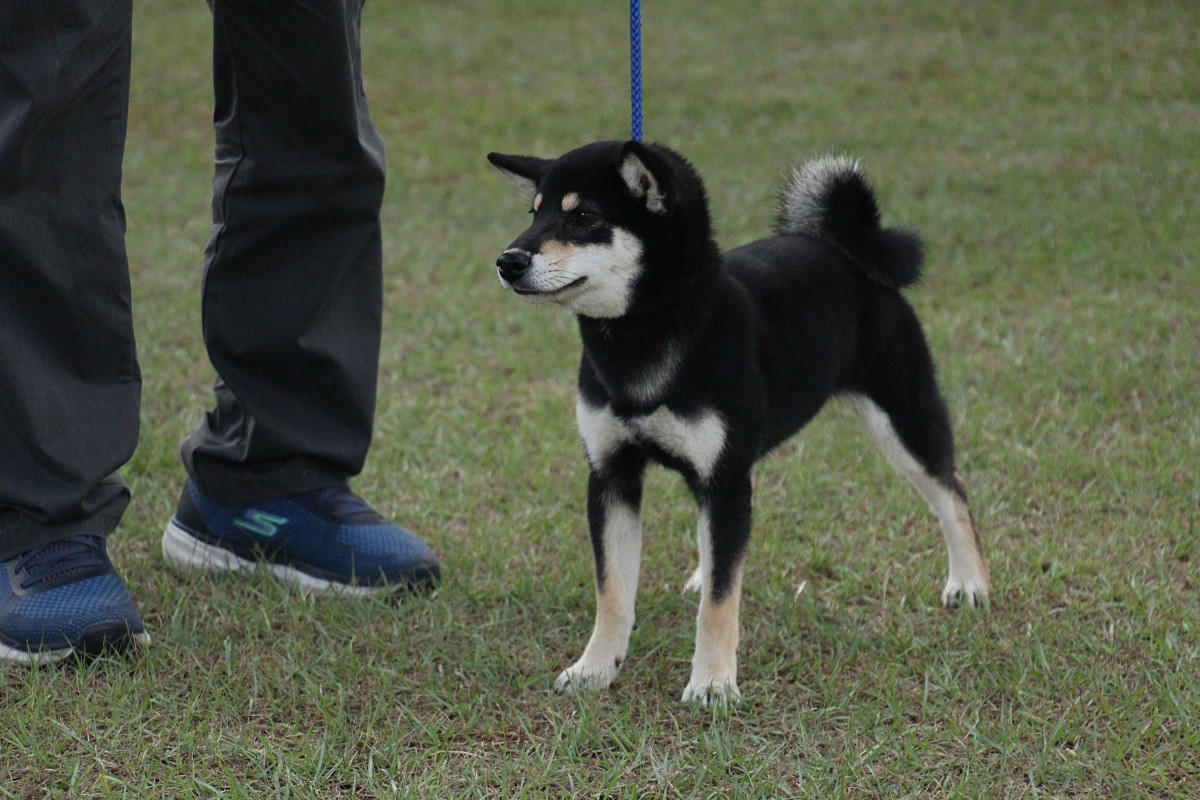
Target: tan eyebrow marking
537 201
570 202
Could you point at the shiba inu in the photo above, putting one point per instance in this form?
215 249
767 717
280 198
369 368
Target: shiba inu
704 361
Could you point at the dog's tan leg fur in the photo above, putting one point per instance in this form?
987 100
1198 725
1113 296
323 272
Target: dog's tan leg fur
969 575
616 595
714 663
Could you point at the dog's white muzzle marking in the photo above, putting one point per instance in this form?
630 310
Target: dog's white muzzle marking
594 280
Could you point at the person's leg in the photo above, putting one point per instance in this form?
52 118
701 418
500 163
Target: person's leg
293 284
292 311
69 380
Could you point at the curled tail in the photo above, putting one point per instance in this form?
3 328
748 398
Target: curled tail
831 200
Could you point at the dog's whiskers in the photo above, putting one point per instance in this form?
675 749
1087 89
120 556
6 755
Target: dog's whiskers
558 281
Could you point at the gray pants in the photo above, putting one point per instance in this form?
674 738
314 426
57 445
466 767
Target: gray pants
292 281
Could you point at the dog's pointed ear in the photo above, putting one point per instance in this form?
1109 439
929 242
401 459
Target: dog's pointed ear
525 171
644 173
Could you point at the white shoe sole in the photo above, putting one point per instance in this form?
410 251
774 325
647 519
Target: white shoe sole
12 655
187 553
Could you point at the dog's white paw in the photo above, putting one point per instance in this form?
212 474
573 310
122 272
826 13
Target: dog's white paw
718 691
580 677
965 591
696 582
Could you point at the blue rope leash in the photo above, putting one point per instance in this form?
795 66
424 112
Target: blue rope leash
635 68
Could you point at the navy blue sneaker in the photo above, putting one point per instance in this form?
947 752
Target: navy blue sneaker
324 540
64 599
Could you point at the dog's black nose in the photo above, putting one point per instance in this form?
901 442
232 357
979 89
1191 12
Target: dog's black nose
513 264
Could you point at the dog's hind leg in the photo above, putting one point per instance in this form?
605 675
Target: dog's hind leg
615 523
918 445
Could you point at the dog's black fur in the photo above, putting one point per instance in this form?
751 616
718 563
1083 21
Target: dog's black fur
758 338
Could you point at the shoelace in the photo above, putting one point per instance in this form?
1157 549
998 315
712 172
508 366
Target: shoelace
59 560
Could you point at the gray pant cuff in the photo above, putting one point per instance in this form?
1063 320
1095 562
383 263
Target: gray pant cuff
19 534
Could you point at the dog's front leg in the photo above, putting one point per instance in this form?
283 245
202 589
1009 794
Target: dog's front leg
723 534
615 523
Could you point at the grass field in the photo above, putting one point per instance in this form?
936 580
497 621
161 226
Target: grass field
1047 152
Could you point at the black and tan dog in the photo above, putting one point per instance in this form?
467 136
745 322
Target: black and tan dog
704 362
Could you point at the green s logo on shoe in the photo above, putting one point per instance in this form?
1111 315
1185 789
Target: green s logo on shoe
260 522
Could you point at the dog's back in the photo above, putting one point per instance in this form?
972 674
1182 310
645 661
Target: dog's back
824 292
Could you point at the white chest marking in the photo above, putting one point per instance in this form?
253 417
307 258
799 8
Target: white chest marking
698 440
650 386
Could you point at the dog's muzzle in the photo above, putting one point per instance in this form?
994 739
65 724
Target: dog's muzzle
513 264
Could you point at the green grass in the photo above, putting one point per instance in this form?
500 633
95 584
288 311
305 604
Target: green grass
1047 152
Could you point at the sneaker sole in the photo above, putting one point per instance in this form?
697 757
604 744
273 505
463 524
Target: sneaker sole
13 655
187 553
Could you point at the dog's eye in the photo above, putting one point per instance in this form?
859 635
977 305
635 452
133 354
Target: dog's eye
585 216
